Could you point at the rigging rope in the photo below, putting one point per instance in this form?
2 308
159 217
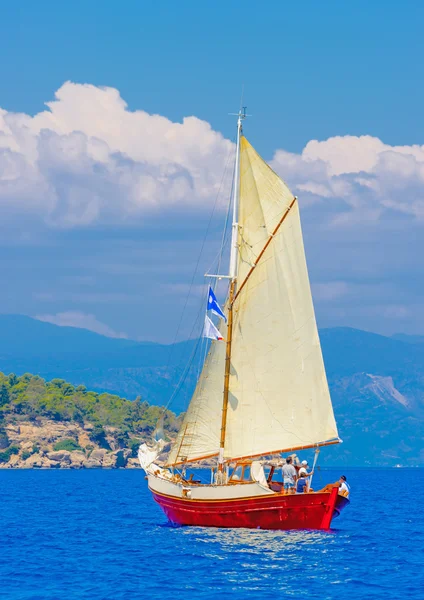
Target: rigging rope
198 260
205 342
172 346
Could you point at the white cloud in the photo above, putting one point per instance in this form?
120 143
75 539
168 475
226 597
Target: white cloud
351 154
359 178
81 321
88 159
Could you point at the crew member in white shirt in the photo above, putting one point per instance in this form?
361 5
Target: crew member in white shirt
344 487
304 469
303 472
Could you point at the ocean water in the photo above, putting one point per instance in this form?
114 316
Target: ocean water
98 535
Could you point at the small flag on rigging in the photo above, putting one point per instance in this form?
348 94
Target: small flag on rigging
210 331
214 306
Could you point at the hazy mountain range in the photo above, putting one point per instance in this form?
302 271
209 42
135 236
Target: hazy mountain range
376 382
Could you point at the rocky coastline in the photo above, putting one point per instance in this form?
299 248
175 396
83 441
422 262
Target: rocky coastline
42 445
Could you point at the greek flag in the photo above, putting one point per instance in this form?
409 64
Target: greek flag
214 306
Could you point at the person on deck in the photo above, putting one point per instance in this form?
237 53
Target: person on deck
289 476
344 488
304 469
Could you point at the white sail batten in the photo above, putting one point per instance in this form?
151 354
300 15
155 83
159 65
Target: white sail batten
199 434
279 397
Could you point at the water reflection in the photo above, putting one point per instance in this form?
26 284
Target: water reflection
257 559
256 541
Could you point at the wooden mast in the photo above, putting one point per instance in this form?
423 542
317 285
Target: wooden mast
233 277
227 374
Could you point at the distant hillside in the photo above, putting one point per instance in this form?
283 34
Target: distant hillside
118 366
377 389
409 339
376 382
21 335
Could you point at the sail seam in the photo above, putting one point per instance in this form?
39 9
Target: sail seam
269 240
271 412
255 183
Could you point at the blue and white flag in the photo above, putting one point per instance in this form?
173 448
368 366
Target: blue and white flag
210 331
214 306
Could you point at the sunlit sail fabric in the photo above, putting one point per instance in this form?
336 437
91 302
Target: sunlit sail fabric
279 396
199 435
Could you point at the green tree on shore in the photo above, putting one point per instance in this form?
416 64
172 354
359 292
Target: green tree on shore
4 394
30 397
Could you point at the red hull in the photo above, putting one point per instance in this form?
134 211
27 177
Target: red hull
300 511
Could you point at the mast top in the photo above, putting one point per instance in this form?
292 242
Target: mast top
241 114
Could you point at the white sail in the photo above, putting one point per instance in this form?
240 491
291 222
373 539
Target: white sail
278 392
279 396
200 432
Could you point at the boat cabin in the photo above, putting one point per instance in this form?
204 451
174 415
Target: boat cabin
240 473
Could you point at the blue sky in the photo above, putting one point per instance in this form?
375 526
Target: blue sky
117 252
310 71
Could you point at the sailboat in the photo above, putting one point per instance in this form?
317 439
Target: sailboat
262 394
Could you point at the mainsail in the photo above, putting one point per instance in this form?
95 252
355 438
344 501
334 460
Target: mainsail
278 392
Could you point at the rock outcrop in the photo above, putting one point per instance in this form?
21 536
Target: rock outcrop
38 446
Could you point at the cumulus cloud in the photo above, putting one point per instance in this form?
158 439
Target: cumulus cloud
74 318
88 159
358 178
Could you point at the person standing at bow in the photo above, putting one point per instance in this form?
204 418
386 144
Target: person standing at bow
344 487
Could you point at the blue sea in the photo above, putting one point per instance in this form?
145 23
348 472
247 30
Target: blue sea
98 535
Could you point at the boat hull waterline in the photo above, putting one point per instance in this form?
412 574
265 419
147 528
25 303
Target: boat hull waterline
277 511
